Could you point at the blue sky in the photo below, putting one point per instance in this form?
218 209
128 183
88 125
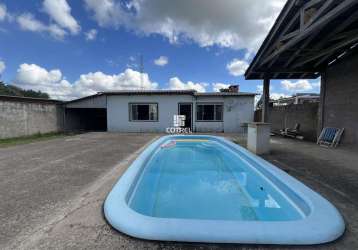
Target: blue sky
72 48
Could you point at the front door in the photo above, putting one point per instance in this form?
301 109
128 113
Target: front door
186 109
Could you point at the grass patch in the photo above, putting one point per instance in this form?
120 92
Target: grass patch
29 139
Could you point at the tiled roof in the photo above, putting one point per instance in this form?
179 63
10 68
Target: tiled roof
165 92
224 94
150 92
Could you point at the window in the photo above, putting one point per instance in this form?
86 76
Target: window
209 112
143 112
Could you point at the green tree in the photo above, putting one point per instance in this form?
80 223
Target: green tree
11 90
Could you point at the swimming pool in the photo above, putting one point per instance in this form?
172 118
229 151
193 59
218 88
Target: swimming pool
208 189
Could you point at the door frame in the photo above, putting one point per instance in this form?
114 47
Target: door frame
191 111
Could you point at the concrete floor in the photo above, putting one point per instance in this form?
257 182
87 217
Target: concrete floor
52 192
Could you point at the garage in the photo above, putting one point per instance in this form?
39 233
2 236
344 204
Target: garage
86 114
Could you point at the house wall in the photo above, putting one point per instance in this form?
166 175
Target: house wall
237 110
341 98
19 118
118 112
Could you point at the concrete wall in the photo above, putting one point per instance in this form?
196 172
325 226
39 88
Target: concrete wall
22 118
341 98
287 116
237 110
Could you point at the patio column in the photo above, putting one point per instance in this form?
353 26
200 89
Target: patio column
265 100
321 104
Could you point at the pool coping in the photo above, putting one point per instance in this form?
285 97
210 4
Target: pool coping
323 223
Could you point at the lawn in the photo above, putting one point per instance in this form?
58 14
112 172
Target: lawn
29 139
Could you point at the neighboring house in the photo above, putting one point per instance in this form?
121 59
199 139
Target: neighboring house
299 98
153 111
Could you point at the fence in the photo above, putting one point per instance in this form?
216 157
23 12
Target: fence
287 116
21 116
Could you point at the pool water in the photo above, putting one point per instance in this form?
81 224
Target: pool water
204 179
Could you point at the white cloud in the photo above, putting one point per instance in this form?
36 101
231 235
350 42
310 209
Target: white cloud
273 95
276 96
28 22
230 23
107 12
56 31
316 84
176 84
218 86
161 61
91 34
5 15
60 12
3 12
300 85
129 79
32 76
61 20
2 66
237 67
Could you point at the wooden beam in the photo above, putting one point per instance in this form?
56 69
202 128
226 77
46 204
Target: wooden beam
311 3
335 31
284 71
302 19
298 51
339 28
348 21
338 10
320 12
329 58
289 35
265 100
344 35
328 51
284 31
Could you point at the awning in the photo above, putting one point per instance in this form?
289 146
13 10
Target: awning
307 36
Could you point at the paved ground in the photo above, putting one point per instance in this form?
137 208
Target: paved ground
43 183
52 192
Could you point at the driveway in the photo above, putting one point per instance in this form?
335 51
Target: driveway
42 183
52 192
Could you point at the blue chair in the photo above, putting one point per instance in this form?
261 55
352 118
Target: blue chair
330 136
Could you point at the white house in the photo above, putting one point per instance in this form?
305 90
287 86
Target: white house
154 111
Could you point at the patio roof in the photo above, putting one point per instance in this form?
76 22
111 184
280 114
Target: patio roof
307 36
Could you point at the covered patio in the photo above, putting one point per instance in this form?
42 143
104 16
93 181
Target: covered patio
311 39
